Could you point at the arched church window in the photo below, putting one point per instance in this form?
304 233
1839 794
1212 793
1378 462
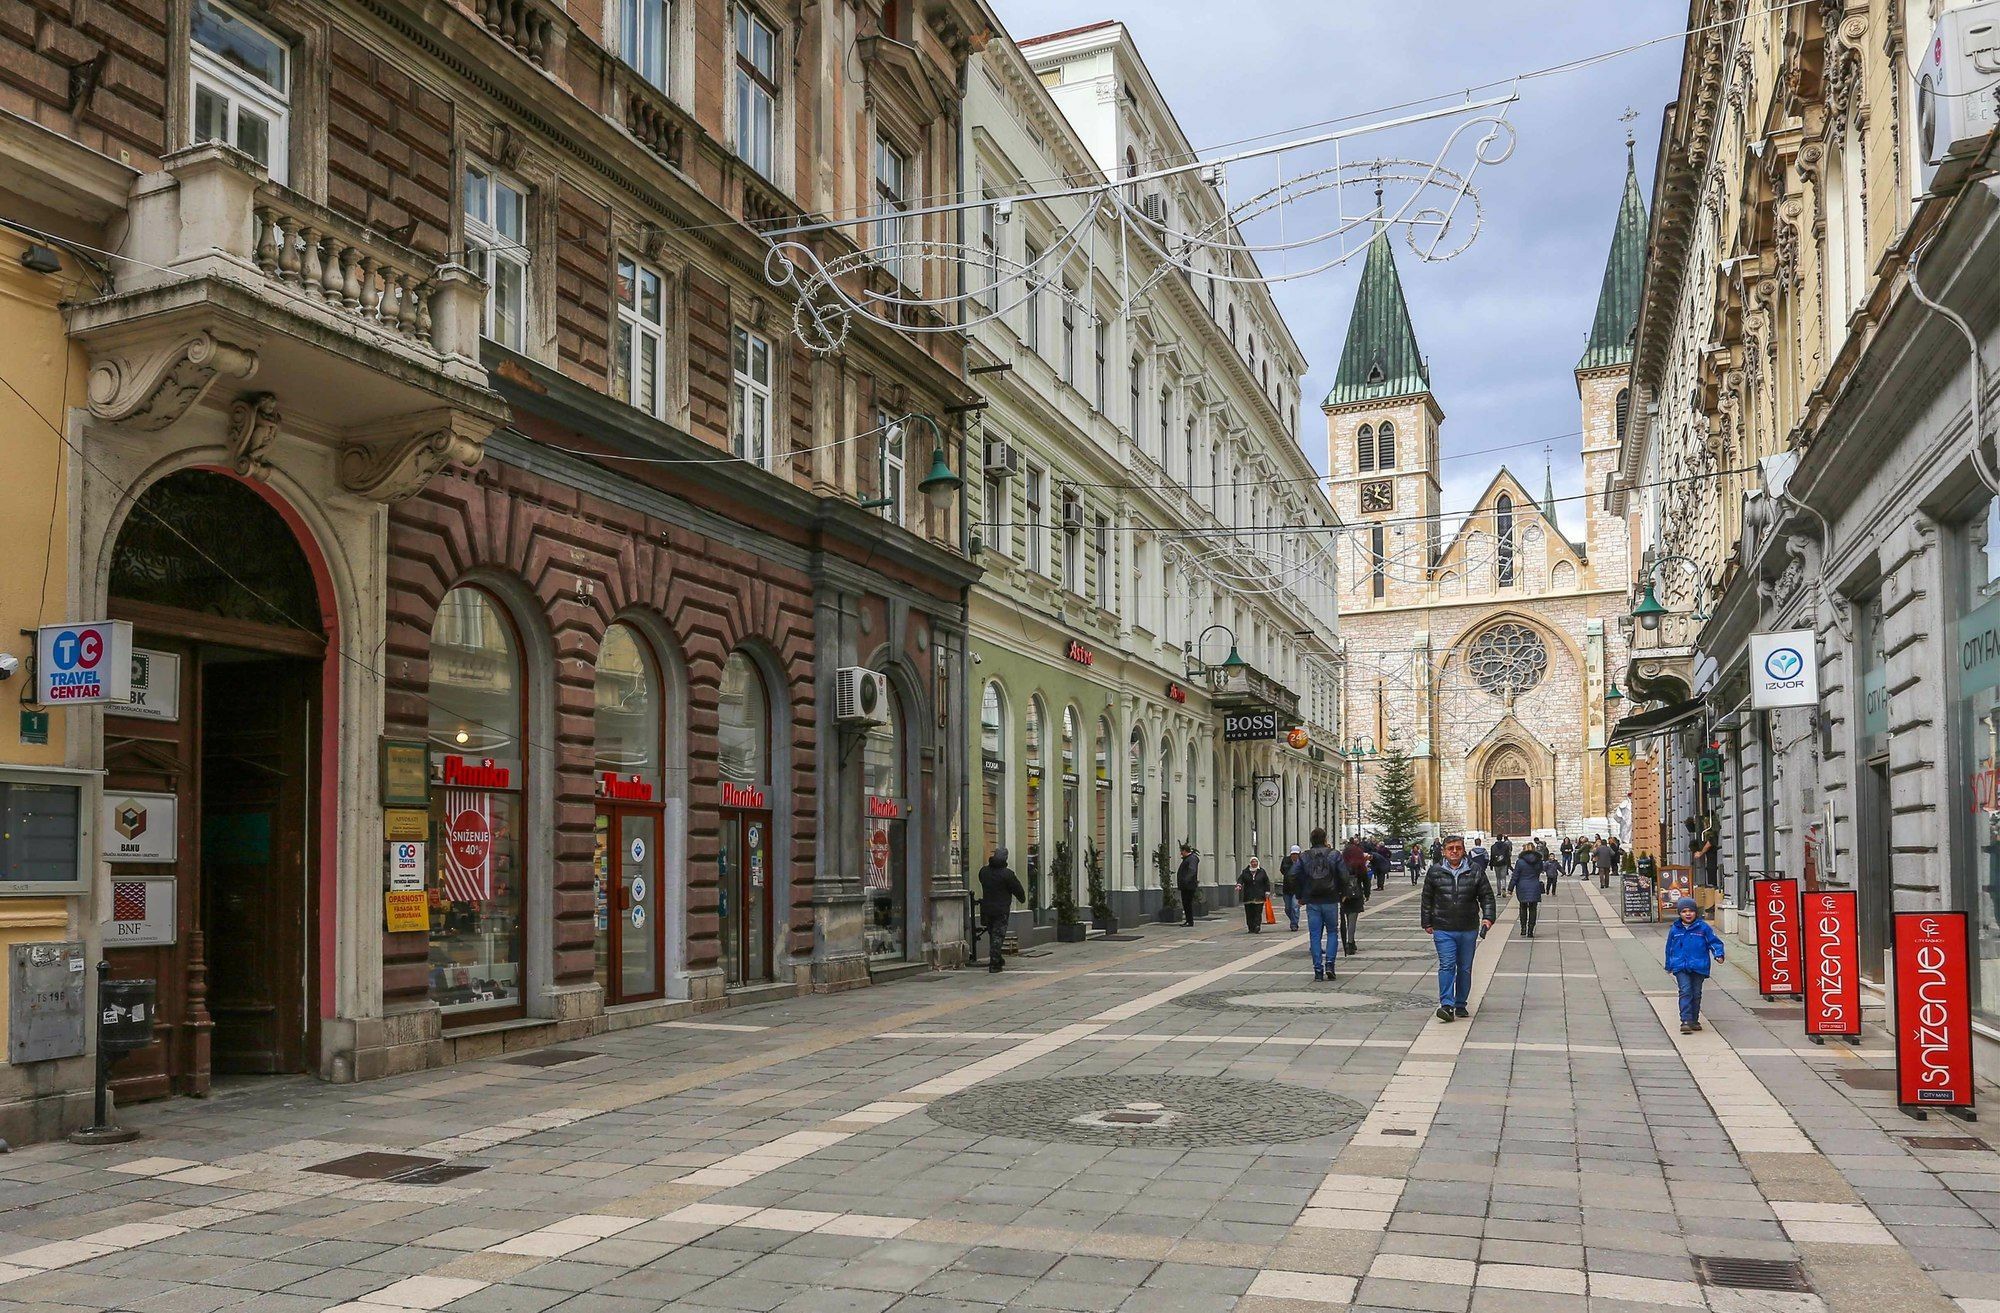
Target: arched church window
1564 577
1385 446
1508 660
1503 515
1624 409
1364 448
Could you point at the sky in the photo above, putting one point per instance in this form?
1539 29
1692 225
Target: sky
1503 323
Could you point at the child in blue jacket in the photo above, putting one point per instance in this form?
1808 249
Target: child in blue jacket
1691 942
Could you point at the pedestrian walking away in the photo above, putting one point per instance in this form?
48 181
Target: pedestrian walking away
1604 857
1253 883
1187 880
1457 908
998 888
1288 877
1551 869
1322 874
1525 883
1691 944
1356 860
1501 855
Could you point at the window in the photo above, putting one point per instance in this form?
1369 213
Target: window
1069 335
1187 454
1038 492
496 242
1232 325
242 85
1101 341
1385 446
640 357
752 403
1364 448
1132 401
989 254
1503 517
894 454
1624 407
1072 541
1101 549
1031 333
892 203
643 28
1378 562
1166 424
756 92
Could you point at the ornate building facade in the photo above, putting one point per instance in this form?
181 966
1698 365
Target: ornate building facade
1485 647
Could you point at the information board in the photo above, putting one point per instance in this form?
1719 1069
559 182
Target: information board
1638 899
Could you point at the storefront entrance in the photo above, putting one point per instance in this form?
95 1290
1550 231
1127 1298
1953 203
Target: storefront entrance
745 887
630 929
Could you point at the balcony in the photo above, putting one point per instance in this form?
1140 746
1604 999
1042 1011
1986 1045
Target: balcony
1243 686
349 335
1659 664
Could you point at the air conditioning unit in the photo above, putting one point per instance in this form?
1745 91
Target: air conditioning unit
1003 459
1072 513
1153 205
1955 90
862 696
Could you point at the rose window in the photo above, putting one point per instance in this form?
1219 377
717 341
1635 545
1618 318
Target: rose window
1508 660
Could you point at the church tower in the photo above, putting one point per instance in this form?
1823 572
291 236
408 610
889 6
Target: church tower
1603 383
1382 445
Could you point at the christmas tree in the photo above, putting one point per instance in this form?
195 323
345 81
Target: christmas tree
1394 810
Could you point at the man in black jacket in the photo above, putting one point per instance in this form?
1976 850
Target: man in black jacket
998 888
1253 885
1457 910
1288 871
1188 881
1322 880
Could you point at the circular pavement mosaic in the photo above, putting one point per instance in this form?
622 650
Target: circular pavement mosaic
1320 998
1169 1111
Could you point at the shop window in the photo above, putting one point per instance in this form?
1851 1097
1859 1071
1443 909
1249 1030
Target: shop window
1135 774
1978 610
745 864
241 76
627 727
1038 765
1100 796
993 766
886 817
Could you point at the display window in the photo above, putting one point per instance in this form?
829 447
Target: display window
629 748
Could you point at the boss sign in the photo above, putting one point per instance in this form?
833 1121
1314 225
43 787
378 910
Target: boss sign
1933 1011
1777 935
1831 922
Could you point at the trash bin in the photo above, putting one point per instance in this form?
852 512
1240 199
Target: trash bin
125 1014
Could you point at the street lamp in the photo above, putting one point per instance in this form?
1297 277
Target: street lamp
938 485
1194 667
1650 610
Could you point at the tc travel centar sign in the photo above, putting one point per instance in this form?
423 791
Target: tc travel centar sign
86 661
1784 670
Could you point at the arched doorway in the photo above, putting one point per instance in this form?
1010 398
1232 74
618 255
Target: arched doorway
630 738
885 816
1510 797
222 764
743 838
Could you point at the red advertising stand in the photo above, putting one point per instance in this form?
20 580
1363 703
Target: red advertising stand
1778 972
1831 924
1933 1014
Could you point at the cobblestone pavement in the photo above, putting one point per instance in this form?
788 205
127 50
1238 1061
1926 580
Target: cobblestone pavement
1566 1149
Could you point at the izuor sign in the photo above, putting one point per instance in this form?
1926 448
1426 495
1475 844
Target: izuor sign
1933 1011
1784 670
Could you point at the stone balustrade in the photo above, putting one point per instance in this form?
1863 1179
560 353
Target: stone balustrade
527 26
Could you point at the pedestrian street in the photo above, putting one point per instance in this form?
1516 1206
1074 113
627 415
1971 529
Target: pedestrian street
1170 1121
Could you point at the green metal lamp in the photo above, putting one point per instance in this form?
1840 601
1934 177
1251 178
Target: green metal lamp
1234 660
1649 610
940 483
1613 695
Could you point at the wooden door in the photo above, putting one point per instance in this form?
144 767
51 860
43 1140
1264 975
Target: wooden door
1510 809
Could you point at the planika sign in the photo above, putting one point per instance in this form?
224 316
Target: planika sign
1832 938
87 661
1777 904
1933 1011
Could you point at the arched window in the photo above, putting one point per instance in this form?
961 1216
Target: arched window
1071 782
628 716
1135 772
993 766
743 724
1563 577
1166 789
887 865
1624 406
1503 557
1100 792
629 746
1187 788
1036 744
1364 448
476 719
1385 446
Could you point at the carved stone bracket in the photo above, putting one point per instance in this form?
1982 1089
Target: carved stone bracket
393 466
253 426
151 387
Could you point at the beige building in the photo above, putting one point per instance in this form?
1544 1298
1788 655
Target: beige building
1485 647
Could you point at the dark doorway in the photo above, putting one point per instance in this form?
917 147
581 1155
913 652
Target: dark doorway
745 889
1510 809
1873 877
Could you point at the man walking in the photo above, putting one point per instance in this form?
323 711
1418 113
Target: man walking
1288 876
998 888
1188 881
1501 855
1457 908
1321 878
1378 863
1604 858
1253 885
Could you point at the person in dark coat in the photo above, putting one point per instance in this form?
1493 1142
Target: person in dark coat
1416 858
1605 858
1568 854
1288 877
1525 883
1457 908
1359 864
1253 885
1501 855
1187 879
998 888
1321 875
1378 862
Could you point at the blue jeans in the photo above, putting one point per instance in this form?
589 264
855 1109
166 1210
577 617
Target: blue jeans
1455 949
1292 909
1323 923
1690 983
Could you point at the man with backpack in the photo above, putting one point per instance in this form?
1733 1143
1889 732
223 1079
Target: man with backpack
1324 880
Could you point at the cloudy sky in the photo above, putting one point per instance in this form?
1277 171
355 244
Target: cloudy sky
1504 323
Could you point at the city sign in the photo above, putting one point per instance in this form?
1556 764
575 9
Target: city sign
1784 670
1777 903
1249 726
86 661
1933 1012
1832 923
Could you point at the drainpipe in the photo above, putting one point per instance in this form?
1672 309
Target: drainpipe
968 705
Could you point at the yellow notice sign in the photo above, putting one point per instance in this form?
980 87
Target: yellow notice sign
403 911
1620 756
405 825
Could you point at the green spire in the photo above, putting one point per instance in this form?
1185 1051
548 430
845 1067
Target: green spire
1380 358
1624 271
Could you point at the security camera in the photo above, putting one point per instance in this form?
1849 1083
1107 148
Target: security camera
9 663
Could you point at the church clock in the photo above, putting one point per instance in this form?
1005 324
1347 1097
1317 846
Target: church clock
1377 495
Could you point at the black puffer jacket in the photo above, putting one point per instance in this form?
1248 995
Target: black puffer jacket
1456 900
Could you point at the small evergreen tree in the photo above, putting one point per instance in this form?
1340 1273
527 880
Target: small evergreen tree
1063 898
1093 874
1163 868
1395 810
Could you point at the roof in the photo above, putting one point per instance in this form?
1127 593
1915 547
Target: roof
1380 357
1617 318
1068 31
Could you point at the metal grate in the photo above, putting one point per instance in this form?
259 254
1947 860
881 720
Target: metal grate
1397 1130
1966 1142
437 1175
1133 1118
1116 938
1870 1078
1751 1273
374 1166
548 1057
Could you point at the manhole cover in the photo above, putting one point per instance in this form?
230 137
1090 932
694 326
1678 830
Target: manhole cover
1965 1142
374 1166
548 1057
1306 1000
1161 1110
1324 998
1870 1078
438 1175
1751 1273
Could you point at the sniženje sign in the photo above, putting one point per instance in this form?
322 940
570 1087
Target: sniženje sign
1249 726
1830 921
1777 904
1933 1011
1620 755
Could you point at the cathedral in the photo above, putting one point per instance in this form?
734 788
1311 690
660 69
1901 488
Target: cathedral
1483 643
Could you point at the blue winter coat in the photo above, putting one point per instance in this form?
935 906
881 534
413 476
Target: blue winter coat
1690 946
1526 881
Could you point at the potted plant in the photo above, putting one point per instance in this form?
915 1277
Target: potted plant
1070 928
1163 870
1100 902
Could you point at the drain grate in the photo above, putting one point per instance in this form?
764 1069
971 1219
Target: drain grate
374 1166
1870 1078
1751 1273
1132 1118
439 1174
1965 1142
1780 1013
1115 938
548 1057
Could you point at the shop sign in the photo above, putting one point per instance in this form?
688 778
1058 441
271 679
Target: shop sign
405 913
884 809
1978 650
1874 703
404 824
742 795
1249 726
1831 921
1080 654
406 867
878 857
1777 936
1933 1011
1784 670
1175 693
142 912
1269 791
156 686
140 827
1621 755
468 846
1298 738
88 661
406 775
629 789
486 773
